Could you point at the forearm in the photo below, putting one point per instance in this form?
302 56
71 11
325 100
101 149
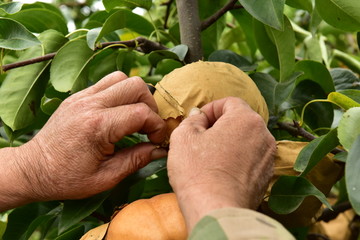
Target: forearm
15 188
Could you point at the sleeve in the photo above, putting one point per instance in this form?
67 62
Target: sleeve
238 223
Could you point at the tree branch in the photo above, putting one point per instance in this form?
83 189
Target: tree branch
167 14
295 130
212 19
190 28
143 45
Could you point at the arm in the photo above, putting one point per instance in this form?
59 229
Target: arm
75 149
221 157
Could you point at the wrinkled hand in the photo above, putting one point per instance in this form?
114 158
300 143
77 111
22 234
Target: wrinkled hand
73 155
220 156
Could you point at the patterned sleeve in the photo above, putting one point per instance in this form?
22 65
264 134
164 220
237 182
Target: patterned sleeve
238 223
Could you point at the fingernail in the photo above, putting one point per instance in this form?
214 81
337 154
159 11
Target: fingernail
158 153
194 111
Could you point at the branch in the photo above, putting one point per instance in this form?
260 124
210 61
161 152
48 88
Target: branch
167 14
328 214
143 45
295 130
190 28
212 19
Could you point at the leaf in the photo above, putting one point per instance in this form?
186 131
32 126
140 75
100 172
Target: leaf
176 53
24 87
102 64
74 233
40 19
277 47
315 151
351 93
2 228
11 7
166 66
268 12
111 4
118 20
288 192
67 69
344 79
15 36
342 100
124 61
342 14
275 93
351 175
315 72
76 210
49 105
313 49
301 4
232 58
349 127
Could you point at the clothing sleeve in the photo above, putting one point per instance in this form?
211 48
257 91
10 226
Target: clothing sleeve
238 223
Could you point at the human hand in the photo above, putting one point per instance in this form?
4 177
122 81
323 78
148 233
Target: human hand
73 155
220 156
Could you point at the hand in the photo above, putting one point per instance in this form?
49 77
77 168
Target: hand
73 155
220 156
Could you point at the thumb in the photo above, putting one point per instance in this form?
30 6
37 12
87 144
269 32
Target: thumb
129 160
197 120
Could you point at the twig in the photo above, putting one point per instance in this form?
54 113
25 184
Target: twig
210 20
190 28
143 45
328 214
167 14
295 130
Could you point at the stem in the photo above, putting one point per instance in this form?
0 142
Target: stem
190 28
348 60
167 14
144 45
212 19
328 214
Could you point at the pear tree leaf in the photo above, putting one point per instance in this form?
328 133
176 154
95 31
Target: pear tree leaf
288 192
342 14
111 4
232 58
15 36
268 12
349 127
10 8
351 175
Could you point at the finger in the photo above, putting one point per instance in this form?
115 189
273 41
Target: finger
128 119
129 160
107 82
197 121
131 90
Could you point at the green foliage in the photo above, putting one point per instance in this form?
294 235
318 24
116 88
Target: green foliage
302 54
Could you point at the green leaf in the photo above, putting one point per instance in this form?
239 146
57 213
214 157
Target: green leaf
315 151
232 58
102 64
341 156
351 93
288 192
352 167
275 93
313 50
277 47
315 72
125 60
349 127
111 4
73 233
301 4
166 66
176 53
49 105
76 210
344 79
342 14
11 7
268 12
342 100
6 143
118 20
15 36
39 20
67 69
2 228
24 87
